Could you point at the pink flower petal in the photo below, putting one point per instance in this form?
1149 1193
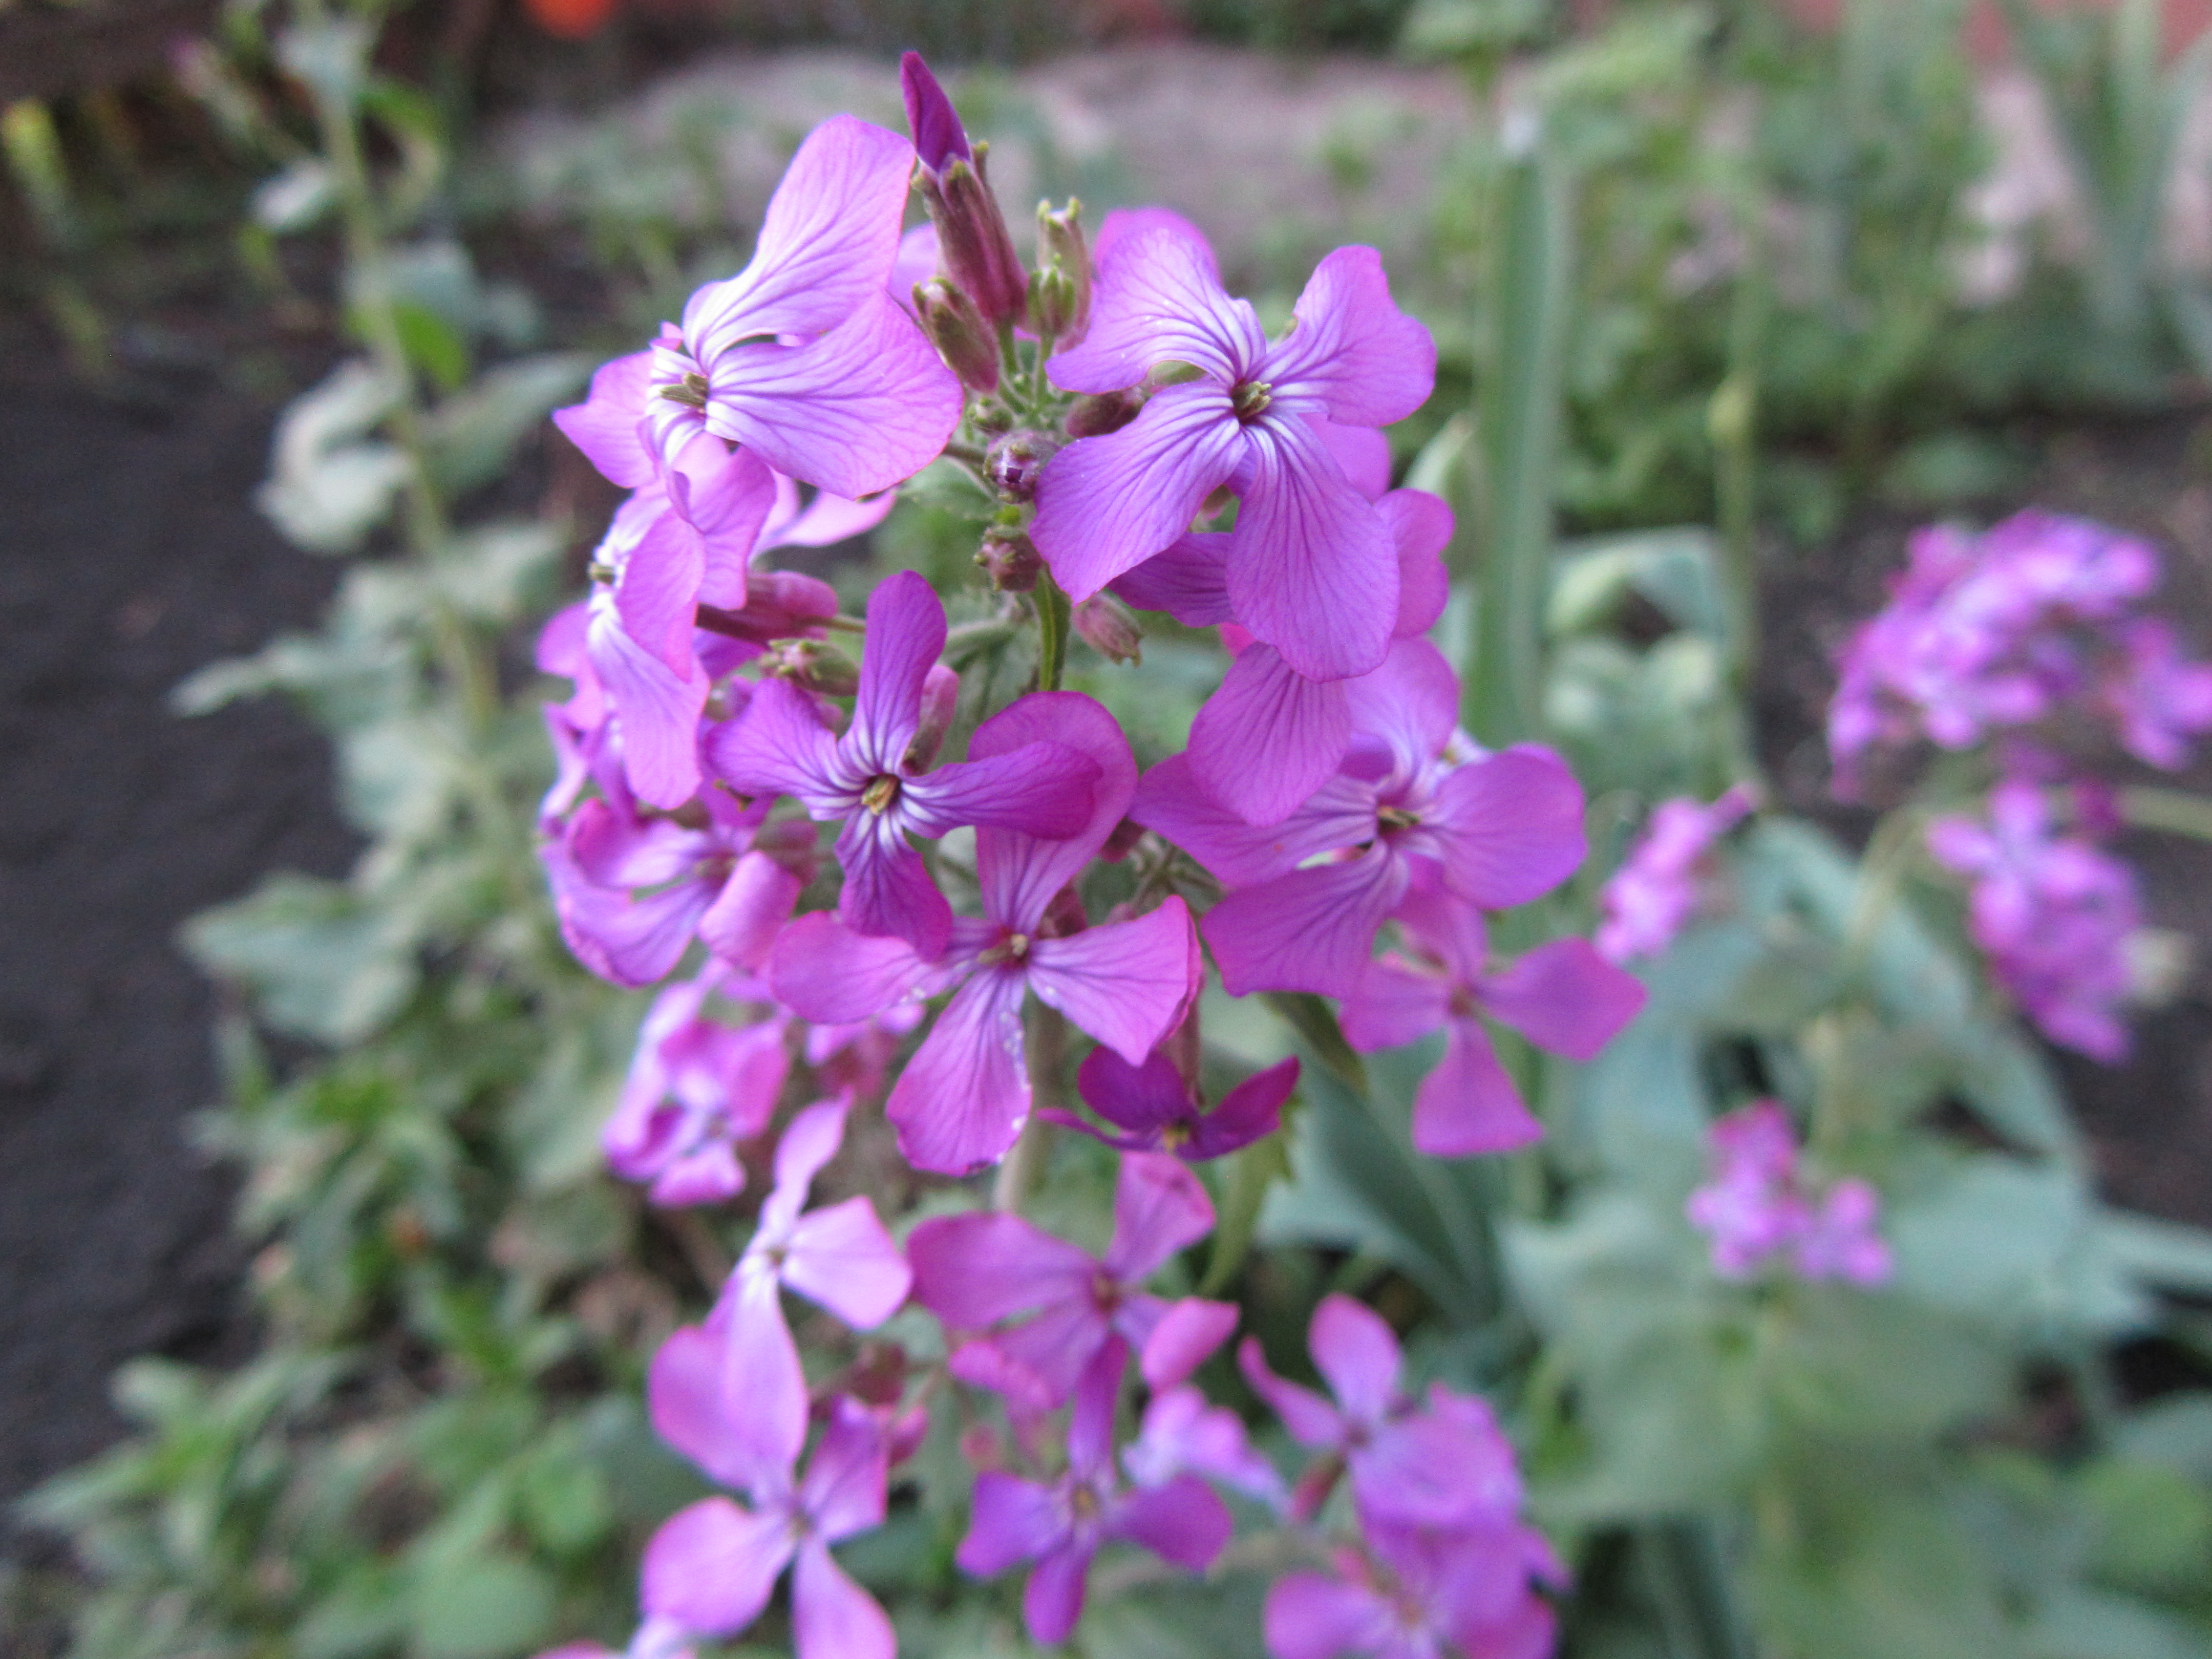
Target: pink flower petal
1127 983
1171 800
1251 1109
1189 580
1159 1208
1022 873
1182 1521
740 926
1052 1601
657 710
832 1617
762 1378
1410 704
712 1567
888 889
605 426
1351 348
963 1097
1043 789
1392 1005
1312 930
844 1258
905 637
1180 1343
1420 527
1138 1097
780 746
1355 1350
976 1270
1565 997
684 1394
1159 299
1311 1420
1123 226
1510 826
1010 1521
843 1491
1361 451
1469 1105
1269 737
1310 1615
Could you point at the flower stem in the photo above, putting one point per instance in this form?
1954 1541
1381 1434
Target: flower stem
2170 810
1053 615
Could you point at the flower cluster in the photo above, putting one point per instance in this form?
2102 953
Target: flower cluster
1758 1208
1111 407
1657 889
2034 621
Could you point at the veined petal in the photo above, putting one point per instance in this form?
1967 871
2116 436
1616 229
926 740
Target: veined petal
906 635
974 1270
657 710
1021 873
1127 983
1159 299
605 426
1173 801
1269 736
1124 225
965 1094
1189 580
1365 361
1106 504
887 886
1565 997
1312 930
779 747
1159 1208
1510 826
826 242
842 1257
712 1567
824 972
863 407
1311 567
1409 705
1420 527
1469 1104
1393 1005
1040 789
741 926
832 1617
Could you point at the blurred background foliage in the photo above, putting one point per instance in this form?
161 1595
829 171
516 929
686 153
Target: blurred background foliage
1706 282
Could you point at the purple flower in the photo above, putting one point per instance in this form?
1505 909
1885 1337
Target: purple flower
1655 892
2157 698
1758 1208
1420 1593
963 1097
976 251
712 1567
1307 894
2053 913
696 1087
840 1257
1436 1461
1270 736
1155 1106
1181 1433
631 892
1310 567
1564 997
870 781
1059 1526
987 1268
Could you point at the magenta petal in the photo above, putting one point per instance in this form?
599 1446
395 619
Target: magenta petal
1010 1521
1021 873
965 1095
832 1617
1565 997
1421 1469
1172 801
1183 1523
762 1378
684 1394
740 926
1269 736
1107 504
712 1567
1179 1343
887 887
1159 300
627 940
1311 567
1040 789
864 406
1189 580
1140 1097
826 242
939 137
1420 527
1393 1005
1362 452
1469 1104
1355 1349
657 709
844 1258
1122 226
724 498
974 1270
1510 826
1312 930
1251 1109
1038 1362
1365 360
1312 1616
1311 1420
1410 704
712 1175
906 635
1052 1601
843 1493
605 426
824 971
1127 983
1159 1208
807 1145
779 747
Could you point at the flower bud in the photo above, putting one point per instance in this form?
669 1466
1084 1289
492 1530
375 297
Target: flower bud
1060 293
941 697
813 666
1014 461
1107 412
1111 628
1010 559
973 244
779 604
969 345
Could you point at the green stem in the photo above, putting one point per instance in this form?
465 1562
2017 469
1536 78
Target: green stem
2170 810
1054 616
1048 1056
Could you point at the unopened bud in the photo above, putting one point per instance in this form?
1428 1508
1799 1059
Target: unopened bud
972 240
1111 628
969 345
1060 294
1121 841
813 666
1010 559
941 697
1107 411
1013 462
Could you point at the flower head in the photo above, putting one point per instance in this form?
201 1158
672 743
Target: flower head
696 1087
1155 1106
1760 1208
1655 892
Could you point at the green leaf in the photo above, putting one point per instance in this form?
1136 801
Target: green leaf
331 484
321 963
488 1606
472 436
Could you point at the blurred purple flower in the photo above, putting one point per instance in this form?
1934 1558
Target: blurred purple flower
1652 896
